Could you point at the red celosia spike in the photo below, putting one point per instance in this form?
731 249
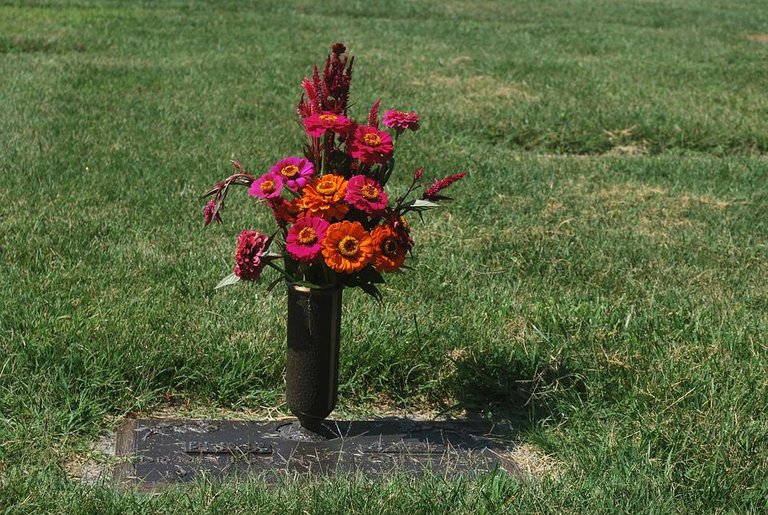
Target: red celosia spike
322 96
327 71
325 94
347 81
329 92
333 106
334 73
338 65
373 116
303 108
312 102
432 192
336 85
309 88
343 101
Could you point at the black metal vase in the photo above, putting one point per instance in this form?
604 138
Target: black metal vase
312 366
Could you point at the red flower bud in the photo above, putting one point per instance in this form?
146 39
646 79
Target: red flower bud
210 213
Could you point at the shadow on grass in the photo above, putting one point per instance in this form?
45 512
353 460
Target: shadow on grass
503 387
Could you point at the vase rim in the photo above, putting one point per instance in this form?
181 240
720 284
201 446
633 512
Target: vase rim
307 289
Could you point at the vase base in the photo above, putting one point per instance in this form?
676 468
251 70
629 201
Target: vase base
301 432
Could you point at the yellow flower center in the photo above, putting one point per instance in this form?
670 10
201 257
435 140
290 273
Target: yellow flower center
390 247
370 191
372 140
290 171
349 246
267 186
327 187
328 117
307 236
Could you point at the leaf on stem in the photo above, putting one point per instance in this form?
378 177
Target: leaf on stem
230 279
418 205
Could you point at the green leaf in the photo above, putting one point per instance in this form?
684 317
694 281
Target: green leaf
372 290
418 205
388 172
366 279
230 279
366 275
275 283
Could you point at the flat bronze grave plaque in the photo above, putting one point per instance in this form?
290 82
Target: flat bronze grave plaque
166 451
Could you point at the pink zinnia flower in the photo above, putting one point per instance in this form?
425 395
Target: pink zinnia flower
366 194
317 124
266 186
401 121
305 238
248 263
370 145
293 171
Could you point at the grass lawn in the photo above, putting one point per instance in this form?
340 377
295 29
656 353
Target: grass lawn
599 281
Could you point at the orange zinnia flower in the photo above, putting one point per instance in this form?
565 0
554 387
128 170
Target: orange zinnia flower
324 197
347 247
388 252
284 211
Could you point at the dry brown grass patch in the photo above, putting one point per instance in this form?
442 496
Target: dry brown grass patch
761 37
657 213
476 93
533 462
489 10
94 465
627 150
480 86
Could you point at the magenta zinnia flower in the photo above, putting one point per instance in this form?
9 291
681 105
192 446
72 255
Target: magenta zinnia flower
317 124
370 145
401 121
305 238
366 194
266 186
250 246
293 171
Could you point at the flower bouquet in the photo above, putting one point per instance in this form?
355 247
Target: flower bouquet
336 225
